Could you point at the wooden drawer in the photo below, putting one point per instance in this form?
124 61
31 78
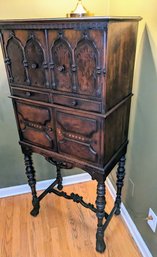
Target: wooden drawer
30 94
81 104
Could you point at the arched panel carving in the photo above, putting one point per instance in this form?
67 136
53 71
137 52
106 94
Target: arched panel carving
35 62
15 61
86 58
62 60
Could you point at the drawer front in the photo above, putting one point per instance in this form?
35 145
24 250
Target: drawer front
81 104
35 124
29 94
78 136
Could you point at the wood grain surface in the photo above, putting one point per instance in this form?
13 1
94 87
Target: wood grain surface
62 229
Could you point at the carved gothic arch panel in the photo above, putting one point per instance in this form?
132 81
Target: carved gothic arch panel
15 60
61 54
86 58
35 60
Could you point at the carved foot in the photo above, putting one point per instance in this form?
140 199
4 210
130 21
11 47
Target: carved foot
117 211
36 208
100 245
60 186
35 211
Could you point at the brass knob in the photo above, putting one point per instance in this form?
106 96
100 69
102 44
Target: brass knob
34 65
61 68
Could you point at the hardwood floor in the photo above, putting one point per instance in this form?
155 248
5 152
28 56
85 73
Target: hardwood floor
62 229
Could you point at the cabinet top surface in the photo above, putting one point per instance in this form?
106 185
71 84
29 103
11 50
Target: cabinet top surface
80 19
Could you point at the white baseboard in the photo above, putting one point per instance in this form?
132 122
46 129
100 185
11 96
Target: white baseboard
41 185
130 224
83 177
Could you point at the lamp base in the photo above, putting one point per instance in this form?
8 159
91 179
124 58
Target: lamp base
79 11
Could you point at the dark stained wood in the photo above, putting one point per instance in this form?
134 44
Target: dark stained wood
121 46
86 58
14 59
78 136
34 61
31 94
78 103
61 53
119 130
36 124
71 86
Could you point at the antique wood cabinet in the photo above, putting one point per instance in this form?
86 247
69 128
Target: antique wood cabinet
71 86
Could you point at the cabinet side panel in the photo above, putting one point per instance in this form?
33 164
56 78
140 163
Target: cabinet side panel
121 46
116 130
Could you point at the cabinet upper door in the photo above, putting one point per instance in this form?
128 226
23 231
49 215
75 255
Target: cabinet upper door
26 57
78 136
77 61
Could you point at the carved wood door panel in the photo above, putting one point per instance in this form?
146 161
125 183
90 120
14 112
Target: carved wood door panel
77 61
78 136
26 57
36 62
36 125
14 53
86 58
60 62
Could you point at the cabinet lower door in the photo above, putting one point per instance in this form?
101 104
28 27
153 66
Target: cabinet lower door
78 136
35 124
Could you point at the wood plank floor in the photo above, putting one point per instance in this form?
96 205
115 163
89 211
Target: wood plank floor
62 229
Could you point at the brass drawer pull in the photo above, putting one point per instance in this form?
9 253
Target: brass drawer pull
74 103
28 94
50 129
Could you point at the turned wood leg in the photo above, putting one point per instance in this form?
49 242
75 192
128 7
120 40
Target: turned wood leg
30 172
59 177
120 178
100 204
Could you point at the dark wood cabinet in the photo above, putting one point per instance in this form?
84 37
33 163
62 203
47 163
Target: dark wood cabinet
71 86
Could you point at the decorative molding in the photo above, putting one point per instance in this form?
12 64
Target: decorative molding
42 185
101 25
130 224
